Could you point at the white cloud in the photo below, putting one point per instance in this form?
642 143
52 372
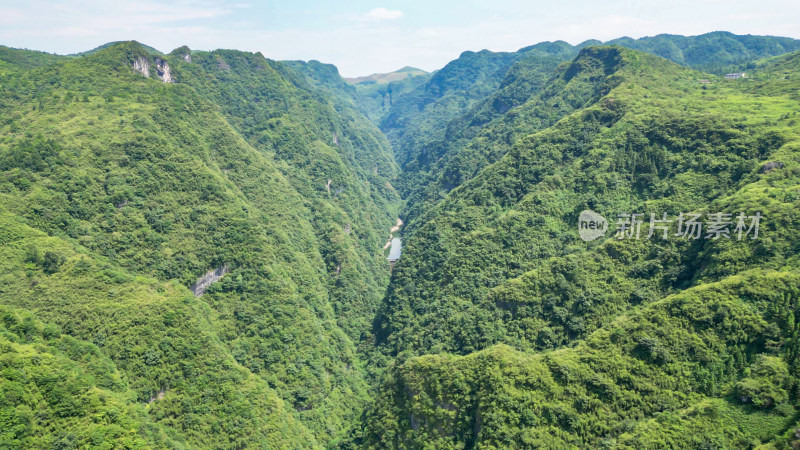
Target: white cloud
378 14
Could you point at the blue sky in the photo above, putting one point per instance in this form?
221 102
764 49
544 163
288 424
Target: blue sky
363 37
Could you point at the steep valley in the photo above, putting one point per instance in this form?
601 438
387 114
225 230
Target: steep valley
194 249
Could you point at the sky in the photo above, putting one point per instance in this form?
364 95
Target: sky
364 37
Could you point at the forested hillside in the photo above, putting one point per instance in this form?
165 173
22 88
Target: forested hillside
498 263
120 190
192 249
442 133
712 52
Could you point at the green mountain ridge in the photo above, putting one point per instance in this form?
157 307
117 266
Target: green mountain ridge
436 125
376 92
27 58
656 377
386 78
147 48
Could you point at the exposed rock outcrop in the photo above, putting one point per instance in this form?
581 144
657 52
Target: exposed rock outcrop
183 52
211 277
222 64
142 65
158 395
770 166
163 71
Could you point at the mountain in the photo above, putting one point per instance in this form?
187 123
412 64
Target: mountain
714 52
680 373
376 92
421 114
147 48
466 143
27 59
325 77
386 78
505 329
192 249
435 132
126 176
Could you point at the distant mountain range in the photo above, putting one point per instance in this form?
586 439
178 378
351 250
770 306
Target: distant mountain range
385 78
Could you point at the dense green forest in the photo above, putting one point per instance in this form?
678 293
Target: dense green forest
192 249
461 120
120 190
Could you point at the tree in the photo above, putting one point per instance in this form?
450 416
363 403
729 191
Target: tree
52 262
766 385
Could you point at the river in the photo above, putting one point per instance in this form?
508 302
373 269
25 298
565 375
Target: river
396 249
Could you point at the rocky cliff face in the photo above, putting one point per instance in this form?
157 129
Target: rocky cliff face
163 71
142 65
211 277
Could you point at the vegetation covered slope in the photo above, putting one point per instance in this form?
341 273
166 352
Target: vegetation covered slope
498 261
126 189
325 77
486 132
93 355
27 59
376 92
339 162
714 366
711 52
462 144
420 115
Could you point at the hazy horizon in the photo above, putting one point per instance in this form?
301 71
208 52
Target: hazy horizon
365 37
